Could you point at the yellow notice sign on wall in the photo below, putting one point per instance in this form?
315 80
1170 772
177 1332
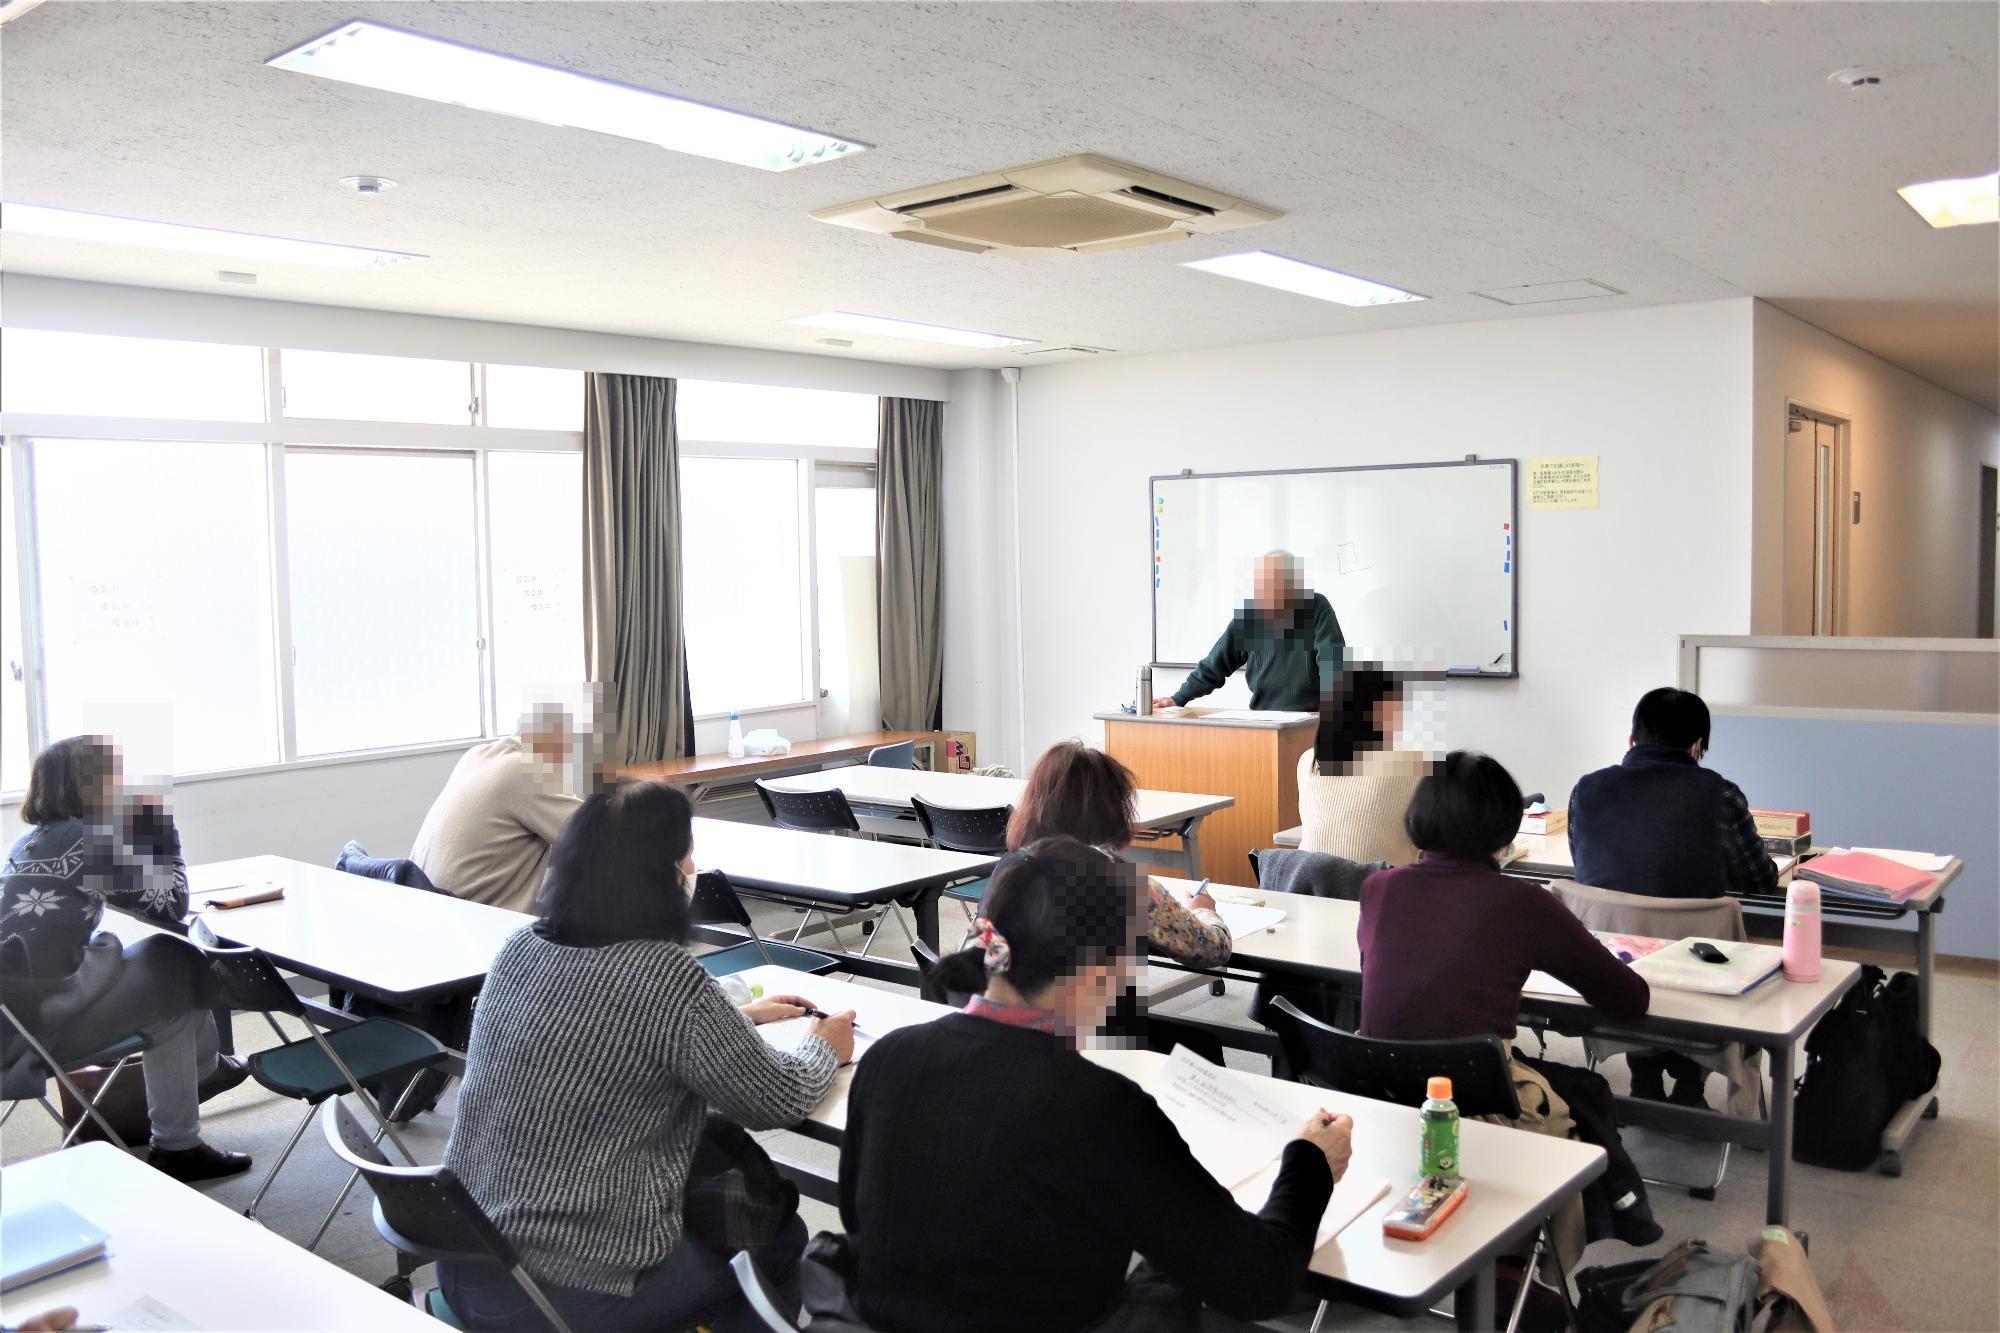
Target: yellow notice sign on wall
1562 483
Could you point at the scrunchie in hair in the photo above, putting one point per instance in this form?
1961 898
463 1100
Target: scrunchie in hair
999 957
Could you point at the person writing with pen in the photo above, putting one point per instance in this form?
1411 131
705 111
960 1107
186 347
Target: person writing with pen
599 1048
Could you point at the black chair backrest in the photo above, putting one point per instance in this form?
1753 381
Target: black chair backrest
248 979
1396 1071
426 1211
1253 867
809 811
981 831
715 901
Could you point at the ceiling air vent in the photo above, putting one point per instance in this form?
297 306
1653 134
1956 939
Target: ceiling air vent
1542 293
1080 204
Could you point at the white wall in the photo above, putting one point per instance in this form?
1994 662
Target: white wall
1660 395
1914 453
69 306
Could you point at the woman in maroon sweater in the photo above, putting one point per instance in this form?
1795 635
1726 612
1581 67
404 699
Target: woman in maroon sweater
1447 945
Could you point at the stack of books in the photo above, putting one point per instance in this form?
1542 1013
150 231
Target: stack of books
1785 832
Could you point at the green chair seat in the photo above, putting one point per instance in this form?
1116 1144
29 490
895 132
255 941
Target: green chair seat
972 891
435 1306
378 1050
742 957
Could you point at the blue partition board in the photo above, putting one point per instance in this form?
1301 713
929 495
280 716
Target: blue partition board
1921 786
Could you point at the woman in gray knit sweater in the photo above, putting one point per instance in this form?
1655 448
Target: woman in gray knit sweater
598 1048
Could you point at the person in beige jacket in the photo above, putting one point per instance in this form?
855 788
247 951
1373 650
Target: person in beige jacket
1353 785
488 834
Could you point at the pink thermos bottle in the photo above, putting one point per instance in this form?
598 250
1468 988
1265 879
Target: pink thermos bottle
1802 931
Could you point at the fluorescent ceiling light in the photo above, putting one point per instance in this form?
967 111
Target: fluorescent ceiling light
1957 203
903 328
395 61
1291 275
68 224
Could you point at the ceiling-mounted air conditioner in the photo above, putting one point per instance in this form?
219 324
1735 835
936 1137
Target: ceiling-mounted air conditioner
1081 204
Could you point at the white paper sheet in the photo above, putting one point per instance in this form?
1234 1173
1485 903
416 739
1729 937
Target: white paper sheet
1353 1196
1928 862
1229 1126
1541 983
1245 921
147 1313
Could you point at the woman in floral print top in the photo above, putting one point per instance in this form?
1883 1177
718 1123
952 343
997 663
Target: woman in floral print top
1082 793
78 990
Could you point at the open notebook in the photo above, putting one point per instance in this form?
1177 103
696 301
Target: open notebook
1237 1134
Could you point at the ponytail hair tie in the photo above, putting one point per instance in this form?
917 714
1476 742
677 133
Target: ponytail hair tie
999 957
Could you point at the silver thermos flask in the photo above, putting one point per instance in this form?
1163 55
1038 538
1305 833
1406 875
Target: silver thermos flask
1146 690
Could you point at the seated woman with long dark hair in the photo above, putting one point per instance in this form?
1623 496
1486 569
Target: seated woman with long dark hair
598 1047
1354 784
89 847
994 1180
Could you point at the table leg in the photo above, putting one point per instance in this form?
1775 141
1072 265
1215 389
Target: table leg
1191 847
1473 1307
926 910
1926 969
1778 1150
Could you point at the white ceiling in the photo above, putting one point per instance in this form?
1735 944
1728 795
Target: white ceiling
1679 152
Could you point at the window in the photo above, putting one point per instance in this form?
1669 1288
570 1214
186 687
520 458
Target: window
92 375
155 596
742 582
534 506
349 386
534 398
844 564
384 589
712 412
14 746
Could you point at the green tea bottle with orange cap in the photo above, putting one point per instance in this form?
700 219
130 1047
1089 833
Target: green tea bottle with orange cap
1440 1117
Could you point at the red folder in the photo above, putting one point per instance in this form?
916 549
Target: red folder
1866 876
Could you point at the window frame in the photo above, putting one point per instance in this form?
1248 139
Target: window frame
820 465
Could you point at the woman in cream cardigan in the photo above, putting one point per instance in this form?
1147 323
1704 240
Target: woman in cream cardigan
1353 785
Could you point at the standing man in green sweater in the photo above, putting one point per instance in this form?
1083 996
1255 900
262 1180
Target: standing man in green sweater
1286 635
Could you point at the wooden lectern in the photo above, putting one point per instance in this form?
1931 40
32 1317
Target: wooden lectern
1254 759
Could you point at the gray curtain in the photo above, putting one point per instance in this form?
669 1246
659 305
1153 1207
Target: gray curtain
632 618
909 561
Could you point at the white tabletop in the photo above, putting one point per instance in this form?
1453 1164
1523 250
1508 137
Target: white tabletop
361 934
876 1014
206 1263
1517 1177
894 787
819 866
1549 854
1318 937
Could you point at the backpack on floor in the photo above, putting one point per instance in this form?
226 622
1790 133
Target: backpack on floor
1863 1061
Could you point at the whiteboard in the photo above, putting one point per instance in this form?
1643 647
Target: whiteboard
1419 560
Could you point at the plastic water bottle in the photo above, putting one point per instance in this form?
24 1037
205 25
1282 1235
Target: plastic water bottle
1802 931
1440 1120
735 734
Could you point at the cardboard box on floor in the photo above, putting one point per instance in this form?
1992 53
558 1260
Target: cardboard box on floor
954 752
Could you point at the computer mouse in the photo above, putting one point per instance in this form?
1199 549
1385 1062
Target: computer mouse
1707 952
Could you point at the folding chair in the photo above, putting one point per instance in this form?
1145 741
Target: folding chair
426 1213
321 1064
25 1074
903 754
1398 1072
981 831
715 903
822 812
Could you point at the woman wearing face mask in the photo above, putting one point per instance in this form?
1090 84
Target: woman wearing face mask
1354 784
1056 1169
597 1049
90 847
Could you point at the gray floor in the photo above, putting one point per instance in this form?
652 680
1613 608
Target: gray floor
1919 1252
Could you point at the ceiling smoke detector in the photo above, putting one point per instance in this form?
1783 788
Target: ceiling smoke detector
368 187
1080 204
1857 77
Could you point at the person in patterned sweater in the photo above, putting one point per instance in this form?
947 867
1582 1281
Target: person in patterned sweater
87 848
